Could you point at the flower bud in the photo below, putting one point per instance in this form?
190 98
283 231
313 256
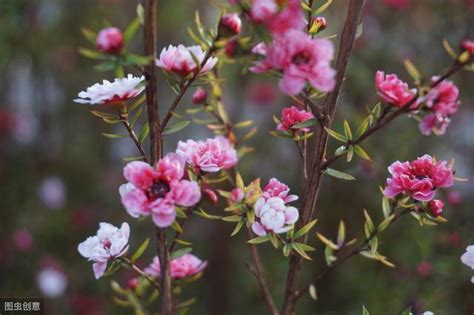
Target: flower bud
436 207
110 40
231 47
236 195
229 25
199 96
132 284
468 45
321 21
211 195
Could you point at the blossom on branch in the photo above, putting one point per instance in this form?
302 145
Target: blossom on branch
292 116
110 40
184 60
109 244
393 90
121 89
182 267
277 18
156 191
275 188
272 215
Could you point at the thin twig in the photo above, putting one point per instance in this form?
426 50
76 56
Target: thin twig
140 272
133 136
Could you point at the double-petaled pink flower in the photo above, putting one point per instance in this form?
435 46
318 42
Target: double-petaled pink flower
393 90
157 190
291 117
272 215
185 60
440 103
419 178
277 18
109 40
275 188
211 155
301 59
182 267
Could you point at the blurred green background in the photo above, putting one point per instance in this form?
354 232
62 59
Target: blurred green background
60 177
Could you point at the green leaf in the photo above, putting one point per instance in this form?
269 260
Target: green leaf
327 242
298 248
89 34
412 70
105 66
131 30
362 128
243 124
312 292
258 240
365 311
323 7
133 158
175 226
341 233
304 124
359 30
339 174
383 225
407 311
273 239
449 49
144 132
92 54
386 208
373 244
238 227
232 218
180 252
115 136
141 14
137 103
281 134
369 224
350 153
328 255
133 59
206 215
140 250
360 152
305 229
347 130
335 135
176 127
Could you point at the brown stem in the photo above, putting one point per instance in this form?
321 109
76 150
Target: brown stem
258 271
311 194
133 136
387 117
164 255
343 259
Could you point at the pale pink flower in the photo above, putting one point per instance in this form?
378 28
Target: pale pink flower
301 59
438 124
291 116
436 207
273 215
199 96
119 90
211 155
468 258
393 90
275 188
182 60
110 40
52 282
230 25
276 19
419 178
157 190
52 192
109 244
182 267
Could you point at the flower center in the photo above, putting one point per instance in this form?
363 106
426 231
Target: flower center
158 190
107 243
301 58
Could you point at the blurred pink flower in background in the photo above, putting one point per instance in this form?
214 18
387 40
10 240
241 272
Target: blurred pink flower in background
398 4
184 266
52 192
211 155
262 93
110 40
292 116
52 282
121 89
23 240
181 60
276 18
109 243
272 215
393 90
454 198
424 269
156 190
301 59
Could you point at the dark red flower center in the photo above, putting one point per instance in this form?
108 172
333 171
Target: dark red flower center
158 190
301 58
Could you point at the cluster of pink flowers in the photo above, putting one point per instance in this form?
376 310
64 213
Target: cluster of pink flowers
271 212
292 116
278 18
157 190
301 59
440 103
393 90
419 179
182 267
185 60
211 155
109 243
110 40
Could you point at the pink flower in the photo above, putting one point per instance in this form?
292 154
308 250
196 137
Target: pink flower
211 155
157 190
418 178
273 215
301 59
468 45
275 188
436 207
424 268
181 60
230 25
23 240
278 20
120 90
291 116
109 40
182 267
109 243
392 90
237 195
440 103
199 96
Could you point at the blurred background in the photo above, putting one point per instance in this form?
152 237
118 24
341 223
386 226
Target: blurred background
60 177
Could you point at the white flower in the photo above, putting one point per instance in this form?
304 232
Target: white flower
51 282
120 90
273 216
468 258
109 243
182 60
